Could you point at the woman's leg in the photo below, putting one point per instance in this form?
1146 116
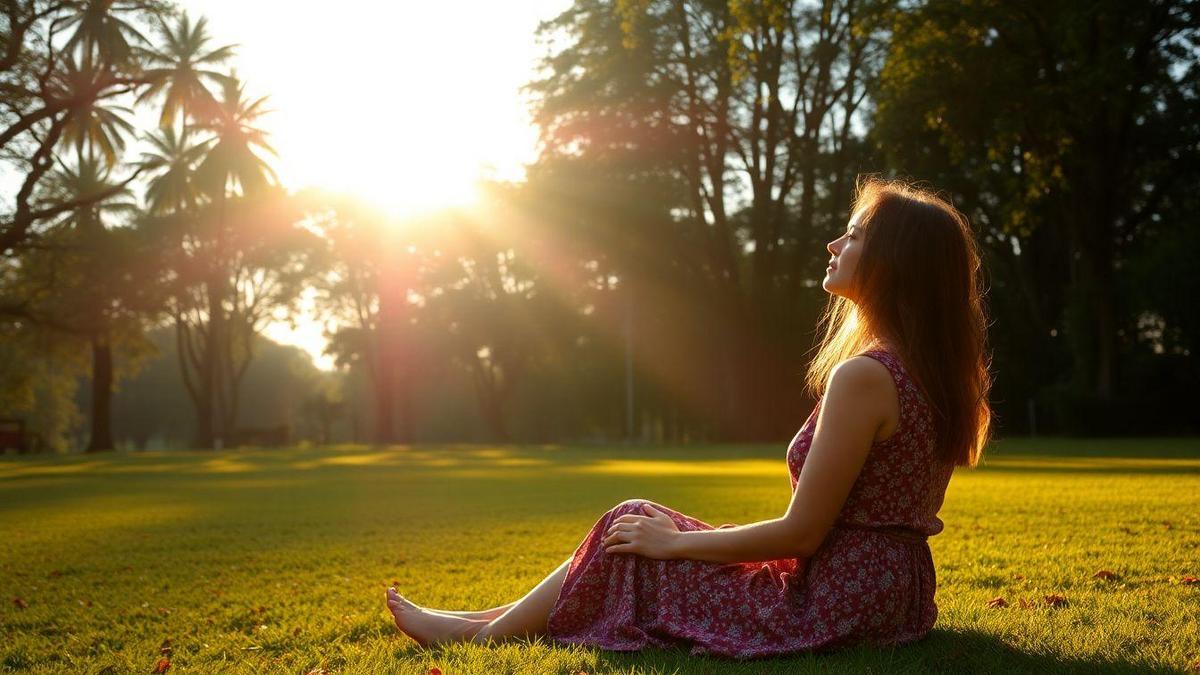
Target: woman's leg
485 614
527 616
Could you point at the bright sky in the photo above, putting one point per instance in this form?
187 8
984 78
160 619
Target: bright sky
404 103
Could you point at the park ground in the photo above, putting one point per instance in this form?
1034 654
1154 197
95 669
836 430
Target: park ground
1058 555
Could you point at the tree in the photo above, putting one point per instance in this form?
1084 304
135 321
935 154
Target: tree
181 71
742 116
1066 159
376 267
50 85
95 278
223 293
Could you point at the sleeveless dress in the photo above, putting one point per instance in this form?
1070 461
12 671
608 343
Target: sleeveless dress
870 582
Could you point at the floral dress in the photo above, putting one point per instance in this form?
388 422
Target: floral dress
870 582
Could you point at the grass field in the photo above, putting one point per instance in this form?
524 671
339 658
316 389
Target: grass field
247 561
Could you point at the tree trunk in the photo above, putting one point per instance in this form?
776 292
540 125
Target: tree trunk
102 379
388 352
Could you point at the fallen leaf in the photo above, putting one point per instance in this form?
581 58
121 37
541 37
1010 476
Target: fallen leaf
1024 604
163 665
20 603
435 671
296 633
1105 575
997 602
1019 577
1189 579
1056 600
54 574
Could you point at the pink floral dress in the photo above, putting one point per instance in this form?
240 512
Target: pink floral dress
871 581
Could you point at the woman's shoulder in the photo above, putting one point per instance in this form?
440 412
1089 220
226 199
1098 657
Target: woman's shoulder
869 367
864 376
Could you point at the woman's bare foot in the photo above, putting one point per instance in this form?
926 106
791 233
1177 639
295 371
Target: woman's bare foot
429 628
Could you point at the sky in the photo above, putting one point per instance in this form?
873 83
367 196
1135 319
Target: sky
404 103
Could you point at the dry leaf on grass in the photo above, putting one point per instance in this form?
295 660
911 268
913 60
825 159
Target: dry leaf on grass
1189 579
163 665
1056 600
997 602
20 603
1105 575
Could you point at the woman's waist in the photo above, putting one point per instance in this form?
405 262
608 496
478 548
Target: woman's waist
907 533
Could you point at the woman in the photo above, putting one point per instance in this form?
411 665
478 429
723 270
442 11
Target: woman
902 382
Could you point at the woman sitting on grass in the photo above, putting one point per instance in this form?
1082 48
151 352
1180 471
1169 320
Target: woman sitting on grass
902 383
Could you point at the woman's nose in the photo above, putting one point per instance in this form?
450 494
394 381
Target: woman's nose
831 246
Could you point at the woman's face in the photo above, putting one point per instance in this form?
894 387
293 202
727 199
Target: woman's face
845 250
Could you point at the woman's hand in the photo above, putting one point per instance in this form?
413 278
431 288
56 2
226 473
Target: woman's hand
653 535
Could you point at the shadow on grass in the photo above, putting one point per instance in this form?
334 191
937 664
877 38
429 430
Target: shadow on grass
940 651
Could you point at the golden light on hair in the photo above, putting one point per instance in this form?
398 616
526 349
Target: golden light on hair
918 288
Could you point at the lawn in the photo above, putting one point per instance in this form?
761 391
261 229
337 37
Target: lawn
245 561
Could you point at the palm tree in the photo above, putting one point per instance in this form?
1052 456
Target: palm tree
173 159
101 35
173 191
191 176
90 299
91 123
232 161
180 71
97 133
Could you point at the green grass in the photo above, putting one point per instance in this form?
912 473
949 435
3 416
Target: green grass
278 559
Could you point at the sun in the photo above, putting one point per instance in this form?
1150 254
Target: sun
408 167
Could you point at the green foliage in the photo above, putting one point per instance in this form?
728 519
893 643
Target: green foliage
1066 131
151 409
39 376
278 559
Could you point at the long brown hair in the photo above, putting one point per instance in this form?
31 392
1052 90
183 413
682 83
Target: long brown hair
919 288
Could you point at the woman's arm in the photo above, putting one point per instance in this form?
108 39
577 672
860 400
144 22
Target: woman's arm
856 404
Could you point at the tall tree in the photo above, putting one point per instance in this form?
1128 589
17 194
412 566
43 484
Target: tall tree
96 282
182 69
51 74
1060 156
746 111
